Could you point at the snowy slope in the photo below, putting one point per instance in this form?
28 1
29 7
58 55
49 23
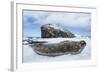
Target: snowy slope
30 56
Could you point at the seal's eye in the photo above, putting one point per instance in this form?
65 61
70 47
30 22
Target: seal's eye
83 43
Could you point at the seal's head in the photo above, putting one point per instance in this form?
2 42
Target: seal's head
82 43
78 47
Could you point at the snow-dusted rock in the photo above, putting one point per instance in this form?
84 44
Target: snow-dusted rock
54 31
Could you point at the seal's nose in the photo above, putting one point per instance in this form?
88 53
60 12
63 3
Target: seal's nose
83 43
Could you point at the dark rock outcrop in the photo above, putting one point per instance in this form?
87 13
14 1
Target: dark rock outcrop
48 31
61 48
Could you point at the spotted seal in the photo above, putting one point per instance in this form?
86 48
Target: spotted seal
61 48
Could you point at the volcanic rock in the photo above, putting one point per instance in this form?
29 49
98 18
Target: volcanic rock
52 31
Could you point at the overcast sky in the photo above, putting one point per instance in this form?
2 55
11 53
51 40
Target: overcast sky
78 23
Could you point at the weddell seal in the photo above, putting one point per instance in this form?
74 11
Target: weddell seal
57 49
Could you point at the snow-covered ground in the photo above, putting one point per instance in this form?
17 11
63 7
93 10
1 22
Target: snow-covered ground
30 56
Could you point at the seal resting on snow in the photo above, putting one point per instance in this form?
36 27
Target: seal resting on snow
61 48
